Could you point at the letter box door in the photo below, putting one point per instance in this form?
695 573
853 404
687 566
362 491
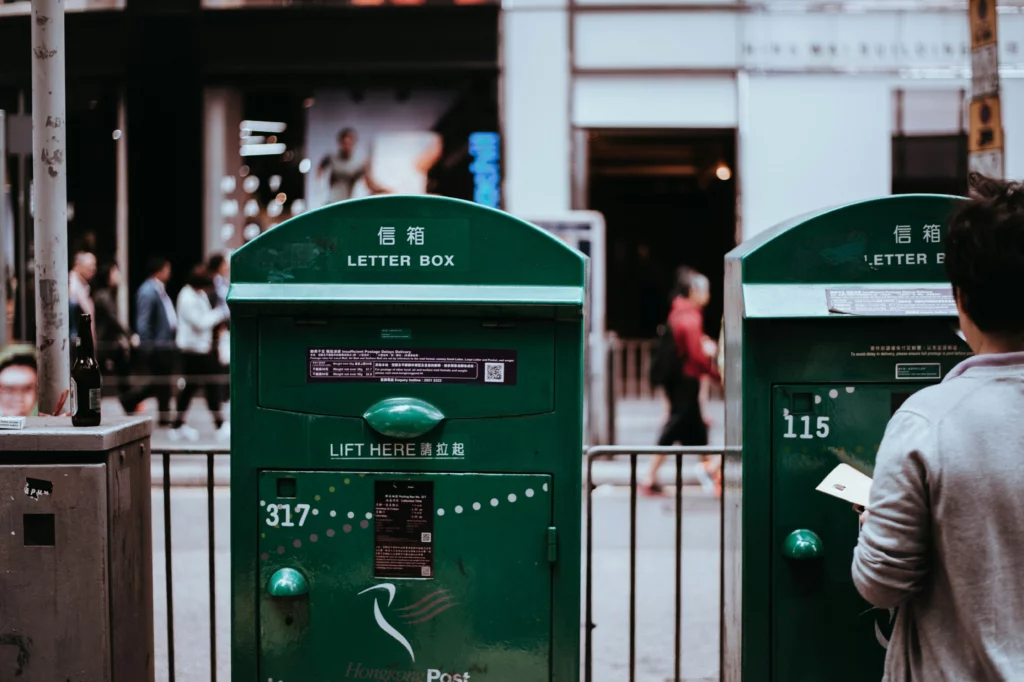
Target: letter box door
820 622
388 576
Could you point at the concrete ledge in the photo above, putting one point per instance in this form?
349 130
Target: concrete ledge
56 434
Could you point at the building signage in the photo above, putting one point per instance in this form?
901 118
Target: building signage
984 31
24 7
986 121
986 125
485 148
874 41
249 4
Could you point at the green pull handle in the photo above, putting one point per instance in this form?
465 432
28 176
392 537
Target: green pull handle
803 544
403 417
287 582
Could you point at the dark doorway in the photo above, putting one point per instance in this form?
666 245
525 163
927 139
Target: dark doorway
929 164
669 199
91 166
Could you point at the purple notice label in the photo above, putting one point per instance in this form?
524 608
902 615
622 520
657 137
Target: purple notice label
412 366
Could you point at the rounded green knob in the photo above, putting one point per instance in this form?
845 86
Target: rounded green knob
287 582
403 418
803 544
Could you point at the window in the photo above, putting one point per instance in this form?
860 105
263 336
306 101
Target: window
929 145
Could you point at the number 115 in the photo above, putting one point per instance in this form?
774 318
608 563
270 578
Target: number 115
821 432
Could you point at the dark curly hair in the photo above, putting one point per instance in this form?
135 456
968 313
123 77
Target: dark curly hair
985 255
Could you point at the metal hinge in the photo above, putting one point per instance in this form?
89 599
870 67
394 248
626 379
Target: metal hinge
552 544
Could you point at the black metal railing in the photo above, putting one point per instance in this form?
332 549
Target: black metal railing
633 453
679 454
209 454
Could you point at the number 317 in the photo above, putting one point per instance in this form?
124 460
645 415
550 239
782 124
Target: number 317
274 514
821 432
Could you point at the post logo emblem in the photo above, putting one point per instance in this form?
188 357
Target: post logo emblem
424 610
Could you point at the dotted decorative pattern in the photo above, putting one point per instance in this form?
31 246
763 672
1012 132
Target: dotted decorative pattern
364 524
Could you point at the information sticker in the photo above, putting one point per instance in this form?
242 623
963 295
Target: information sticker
412 366
403 529
891 302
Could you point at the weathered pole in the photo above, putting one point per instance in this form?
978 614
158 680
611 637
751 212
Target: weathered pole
985 144
49 170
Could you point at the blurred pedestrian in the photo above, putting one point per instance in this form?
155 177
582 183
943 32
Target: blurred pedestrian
155 323
219 268
942 540
114 342
685 368
19 382
83 270
197 319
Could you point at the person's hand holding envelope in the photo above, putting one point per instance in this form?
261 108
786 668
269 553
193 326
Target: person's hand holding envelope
850 485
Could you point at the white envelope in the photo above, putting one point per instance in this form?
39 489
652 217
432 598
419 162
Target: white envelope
848 484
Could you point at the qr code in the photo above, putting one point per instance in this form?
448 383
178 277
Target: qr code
494 372
426 537
425 571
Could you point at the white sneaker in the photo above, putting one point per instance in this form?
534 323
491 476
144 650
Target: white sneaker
186 432
173 435
224 432
705 479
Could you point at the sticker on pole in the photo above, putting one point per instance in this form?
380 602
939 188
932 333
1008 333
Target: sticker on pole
412 366
403 529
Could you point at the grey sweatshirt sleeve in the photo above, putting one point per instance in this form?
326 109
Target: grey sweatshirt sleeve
891 560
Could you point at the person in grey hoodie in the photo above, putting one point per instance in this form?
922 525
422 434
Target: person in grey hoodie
942 539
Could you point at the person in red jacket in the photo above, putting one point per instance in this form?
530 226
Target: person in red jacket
687 424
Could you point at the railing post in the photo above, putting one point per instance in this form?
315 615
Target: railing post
616 366
645 369
633 452
631 373
611 389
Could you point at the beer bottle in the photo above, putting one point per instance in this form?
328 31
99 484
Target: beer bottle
86 382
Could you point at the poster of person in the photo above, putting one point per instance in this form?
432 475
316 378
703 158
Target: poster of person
376 143
19 385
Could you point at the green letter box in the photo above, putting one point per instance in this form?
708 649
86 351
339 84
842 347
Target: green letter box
406 453
831 322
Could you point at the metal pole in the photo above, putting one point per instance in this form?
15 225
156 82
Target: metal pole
22 242
51 204
5 229
122 212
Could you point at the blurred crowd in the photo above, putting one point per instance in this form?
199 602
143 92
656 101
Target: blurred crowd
181 342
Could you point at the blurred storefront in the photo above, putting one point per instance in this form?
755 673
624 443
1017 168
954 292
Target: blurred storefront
828 102
274 154
197 124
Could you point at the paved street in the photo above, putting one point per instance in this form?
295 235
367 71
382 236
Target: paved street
654 565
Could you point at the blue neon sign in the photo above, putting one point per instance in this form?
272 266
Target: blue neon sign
485 148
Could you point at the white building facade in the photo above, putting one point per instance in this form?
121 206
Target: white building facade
810 88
